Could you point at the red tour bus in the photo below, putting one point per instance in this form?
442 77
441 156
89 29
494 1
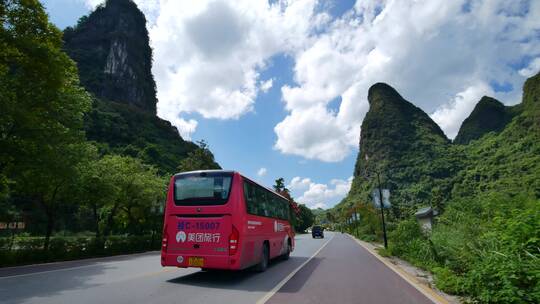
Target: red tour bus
216 219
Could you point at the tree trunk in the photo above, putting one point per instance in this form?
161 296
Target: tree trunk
96 221
132 227
48 232
50 224
50 212
12 239
108 224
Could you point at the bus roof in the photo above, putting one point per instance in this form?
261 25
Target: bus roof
228 171
205 171
271 190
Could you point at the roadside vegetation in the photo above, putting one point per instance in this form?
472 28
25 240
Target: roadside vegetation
77 198
485 242
302 217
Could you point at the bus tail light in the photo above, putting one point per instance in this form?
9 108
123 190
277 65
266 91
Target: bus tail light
233 241
164 240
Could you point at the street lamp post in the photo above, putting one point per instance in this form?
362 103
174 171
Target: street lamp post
357 221
382 210
380 202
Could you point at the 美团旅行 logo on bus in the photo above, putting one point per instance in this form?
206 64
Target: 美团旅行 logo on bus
181 236
198 237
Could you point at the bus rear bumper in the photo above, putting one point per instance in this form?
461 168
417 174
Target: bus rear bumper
209 261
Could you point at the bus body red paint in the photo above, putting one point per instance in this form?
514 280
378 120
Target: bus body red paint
219 219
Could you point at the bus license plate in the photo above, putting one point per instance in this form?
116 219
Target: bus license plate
196 262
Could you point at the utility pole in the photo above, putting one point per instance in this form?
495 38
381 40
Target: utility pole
382 209
355 216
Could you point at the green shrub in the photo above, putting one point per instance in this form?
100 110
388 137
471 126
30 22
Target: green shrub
29 250
487 248
408 240
448 281
5 242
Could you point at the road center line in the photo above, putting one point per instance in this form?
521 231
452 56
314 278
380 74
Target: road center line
276 288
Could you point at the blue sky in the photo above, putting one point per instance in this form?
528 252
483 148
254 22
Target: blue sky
213 63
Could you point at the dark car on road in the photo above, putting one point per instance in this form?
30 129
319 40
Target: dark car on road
317 231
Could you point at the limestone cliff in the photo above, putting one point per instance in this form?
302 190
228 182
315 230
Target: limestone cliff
112 51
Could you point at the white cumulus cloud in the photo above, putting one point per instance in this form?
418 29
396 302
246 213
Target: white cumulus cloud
91 4
313 133
449 116
316 195
441 55
299 184
208 54
531 69
266 85
262 172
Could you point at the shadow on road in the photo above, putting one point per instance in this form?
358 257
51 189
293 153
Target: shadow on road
301 277
30 283
247 279
22 289
215 278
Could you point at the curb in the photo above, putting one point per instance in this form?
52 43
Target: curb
422 288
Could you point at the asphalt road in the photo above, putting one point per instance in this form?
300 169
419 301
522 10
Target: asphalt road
340 272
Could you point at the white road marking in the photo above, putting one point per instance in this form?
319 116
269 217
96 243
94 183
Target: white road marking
47 271
97 263
268 295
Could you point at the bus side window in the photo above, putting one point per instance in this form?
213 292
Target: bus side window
265 203
249 198
280 204
259 201
276 207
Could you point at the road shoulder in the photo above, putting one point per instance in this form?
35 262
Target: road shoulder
411 274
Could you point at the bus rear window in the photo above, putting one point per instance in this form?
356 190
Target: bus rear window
202 189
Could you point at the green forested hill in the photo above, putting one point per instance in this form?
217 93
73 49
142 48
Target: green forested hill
420 165
486 242
507 162
489 115
112 51
126 130
402 141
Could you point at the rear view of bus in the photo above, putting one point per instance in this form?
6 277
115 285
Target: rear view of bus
207 223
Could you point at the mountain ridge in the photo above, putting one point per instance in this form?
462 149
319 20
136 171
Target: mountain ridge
392 128
420 164
112 51
489 115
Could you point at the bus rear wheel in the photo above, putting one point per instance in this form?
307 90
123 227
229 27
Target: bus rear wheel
265 256
287 253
